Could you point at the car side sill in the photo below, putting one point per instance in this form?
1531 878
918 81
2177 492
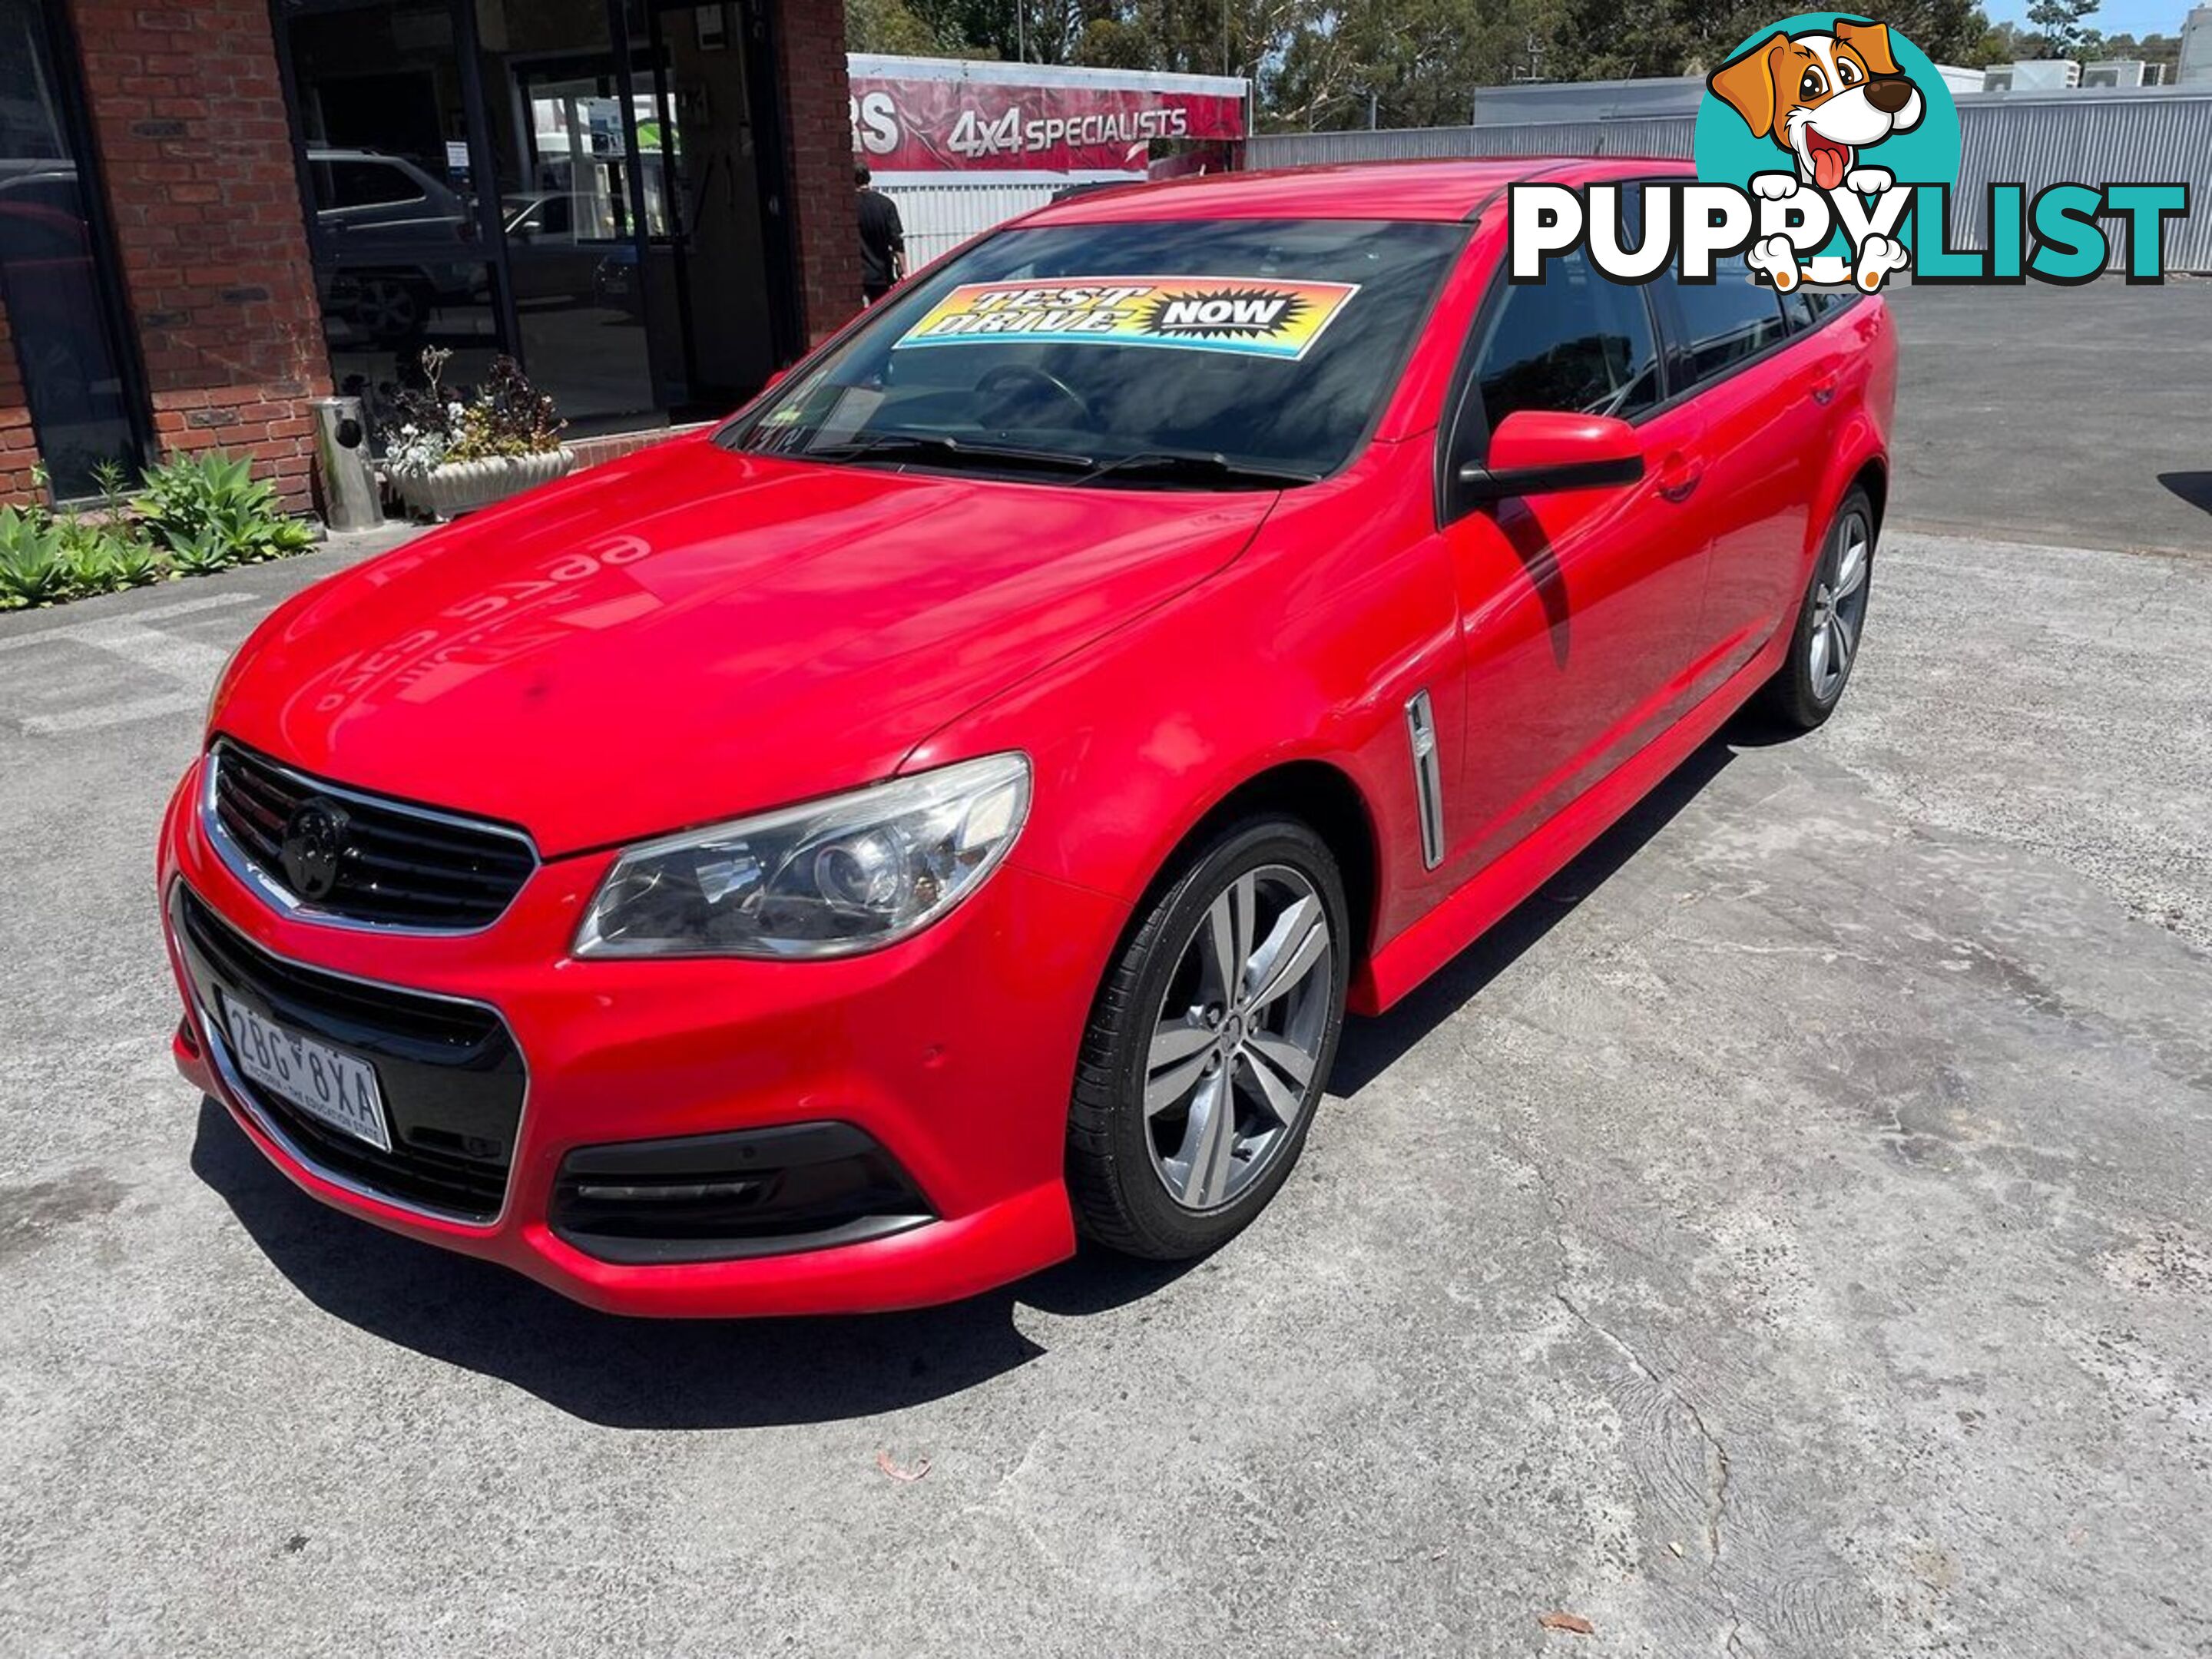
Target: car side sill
1398 967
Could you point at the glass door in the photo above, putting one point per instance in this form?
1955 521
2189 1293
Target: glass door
719 246
381 111
581 183
575 239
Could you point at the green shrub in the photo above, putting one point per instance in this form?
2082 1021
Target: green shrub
114 491
105 557
86 556
186 501
34 568
199 553
193 493
134 562
290 536
193 516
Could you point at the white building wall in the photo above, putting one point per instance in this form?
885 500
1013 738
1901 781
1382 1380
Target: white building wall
2197 46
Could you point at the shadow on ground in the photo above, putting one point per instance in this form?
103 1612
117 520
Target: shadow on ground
639 1373
1371 1046
2194 488
655 1374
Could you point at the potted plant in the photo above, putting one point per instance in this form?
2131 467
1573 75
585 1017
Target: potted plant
453 452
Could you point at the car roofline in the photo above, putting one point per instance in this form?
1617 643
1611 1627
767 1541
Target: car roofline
1162 201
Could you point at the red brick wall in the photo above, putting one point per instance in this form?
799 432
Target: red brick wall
19 446
811 43
188 115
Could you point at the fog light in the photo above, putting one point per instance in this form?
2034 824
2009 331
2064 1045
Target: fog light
726 1197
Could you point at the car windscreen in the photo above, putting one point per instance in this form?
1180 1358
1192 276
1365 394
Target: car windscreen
1198 353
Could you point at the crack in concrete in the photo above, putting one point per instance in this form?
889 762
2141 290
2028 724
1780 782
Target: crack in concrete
1718 1481
1717 1467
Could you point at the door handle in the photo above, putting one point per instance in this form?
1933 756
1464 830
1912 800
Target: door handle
1680 478
1825 392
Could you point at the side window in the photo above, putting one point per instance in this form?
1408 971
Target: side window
1723 321
371 184
1574 343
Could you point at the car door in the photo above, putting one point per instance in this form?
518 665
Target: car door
1764 403
1579 608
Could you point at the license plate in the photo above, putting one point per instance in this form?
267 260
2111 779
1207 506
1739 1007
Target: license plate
331 1087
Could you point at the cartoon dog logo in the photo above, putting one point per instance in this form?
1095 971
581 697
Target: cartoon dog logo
1824 99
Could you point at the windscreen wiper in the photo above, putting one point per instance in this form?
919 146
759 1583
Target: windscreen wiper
1192 467
939 448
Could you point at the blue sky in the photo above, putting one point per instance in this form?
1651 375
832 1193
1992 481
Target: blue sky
2136 17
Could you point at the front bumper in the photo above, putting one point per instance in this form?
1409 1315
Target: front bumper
953 1053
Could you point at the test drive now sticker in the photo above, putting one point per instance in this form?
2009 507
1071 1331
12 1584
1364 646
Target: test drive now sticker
1252 316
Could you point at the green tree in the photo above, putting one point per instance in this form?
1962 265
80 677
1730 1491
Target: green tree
889 25
1324 63
2060 23
1948 31
2151 48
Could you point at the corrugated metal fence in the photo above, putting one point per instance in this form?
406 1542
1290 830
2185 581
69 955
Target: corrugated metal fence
2073 140
1627 135
939 218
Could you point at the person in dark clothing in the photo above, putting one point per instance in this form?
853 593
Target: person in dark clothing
883 239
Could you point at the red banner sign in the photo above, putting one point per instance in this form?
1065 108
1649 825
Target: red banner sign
917 126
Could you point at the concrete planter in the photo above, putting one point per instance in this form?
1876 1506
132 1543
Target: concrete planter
459 487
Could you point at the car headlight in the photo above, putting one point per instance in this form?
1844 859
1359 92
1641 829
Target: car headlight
829 879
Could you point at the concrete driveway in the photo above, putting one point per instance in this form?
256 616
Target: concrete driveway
1785 1234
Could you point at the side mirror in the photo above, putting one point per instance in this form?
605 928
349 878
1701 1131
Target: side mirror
1537 451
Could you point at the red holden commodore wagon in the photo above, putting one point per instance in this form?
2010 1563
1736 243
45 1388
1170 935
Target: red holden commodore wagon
832 862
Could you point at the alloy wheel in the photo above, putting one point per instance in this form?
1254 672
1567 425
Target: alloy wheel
388 309
1840 604
1236 1042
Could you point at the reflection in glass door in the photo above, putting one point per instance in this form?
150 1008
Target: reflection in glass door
393 223
581 183
723 251
573 242
54 271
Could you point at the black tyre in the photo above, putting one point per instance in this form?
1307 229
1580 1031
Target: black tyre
1211 1044
1830 623
390 308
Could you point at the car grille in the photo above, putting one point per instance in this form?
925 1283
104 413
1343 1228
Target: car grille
400 866
450 1073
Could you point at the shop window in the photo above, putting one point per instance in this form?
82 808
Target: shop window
55 269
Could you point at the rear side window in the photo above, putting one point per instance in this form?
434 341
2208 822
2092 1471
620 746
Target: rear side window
369 184
1573 343
1723 321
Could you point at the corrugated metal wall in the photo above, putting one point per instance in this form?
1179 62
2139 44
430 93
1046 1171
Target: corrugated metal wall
1665 135
2090 140
939 218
